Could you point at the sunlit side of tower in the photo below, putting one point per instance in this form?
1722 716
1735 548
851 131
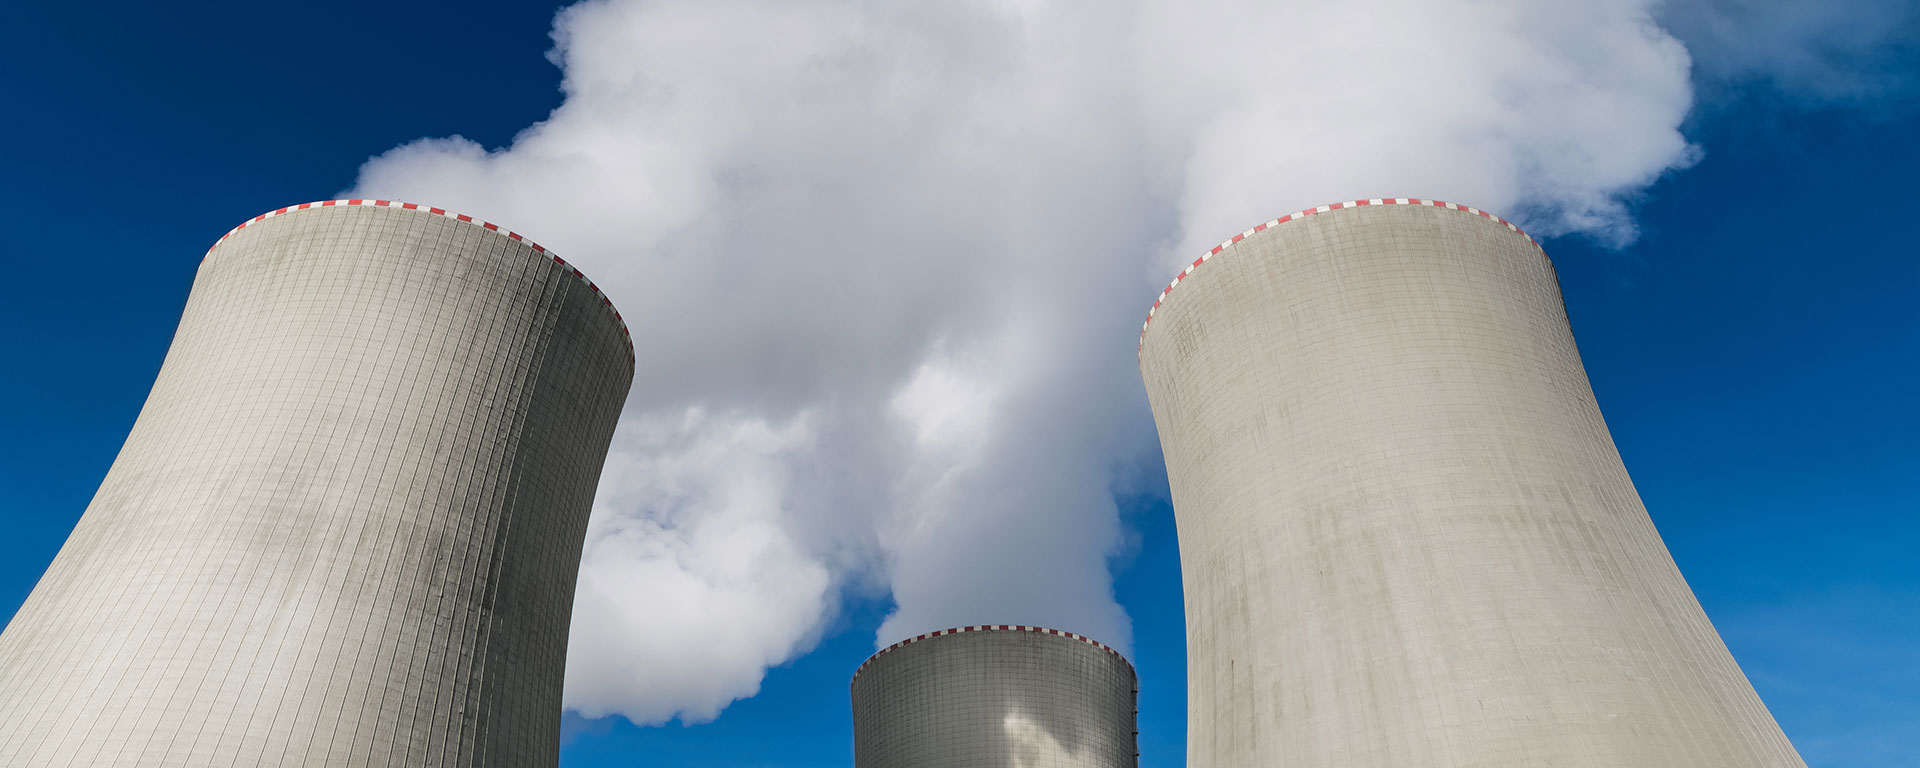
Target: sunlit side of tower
1405 533
995 696
346 526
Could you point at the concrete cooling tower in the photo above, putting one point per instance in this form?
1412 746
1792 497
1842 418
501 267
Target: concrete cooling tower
995 696
346 526
1405 533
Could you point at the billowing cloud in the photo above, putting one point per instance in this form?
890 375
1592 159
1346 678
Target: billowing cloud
885 265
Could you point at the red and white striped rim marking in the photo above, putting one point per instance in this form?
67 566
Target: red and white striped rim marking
510 234
1301 215
991 628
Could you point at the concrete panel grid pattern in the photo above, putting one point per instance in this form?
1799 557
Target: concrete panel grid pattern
995 696
1406 536
346 525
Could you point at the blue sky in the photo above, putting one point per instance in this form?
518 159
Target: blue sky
1755 347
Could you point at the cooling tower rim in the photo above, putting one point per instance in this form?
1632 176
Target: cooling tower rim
1309 212
991 628
625 334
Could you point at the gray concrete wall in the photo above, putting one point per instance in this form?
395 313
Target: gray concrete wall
998 696
1405 534
346 526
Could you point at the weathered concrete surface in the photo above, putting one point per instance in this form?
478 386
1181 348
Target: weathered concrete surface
985 697
1405 533
346 526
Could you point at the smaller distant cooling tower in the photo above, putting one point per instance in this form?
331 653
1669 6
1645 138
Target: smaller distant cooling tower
995 696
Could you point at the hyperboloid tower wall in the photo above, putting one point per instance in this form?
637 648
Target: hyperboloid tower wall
995 696
346 526
1405 534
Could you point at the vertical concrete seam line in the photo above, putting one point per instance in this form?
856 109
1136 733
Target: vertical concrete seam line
1229 243
605 301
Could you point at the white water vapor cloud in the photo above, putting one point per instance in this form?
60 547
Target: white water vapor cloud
885 265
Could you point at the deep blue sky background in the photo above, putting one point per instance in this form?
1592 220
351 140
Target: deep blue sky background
1757 352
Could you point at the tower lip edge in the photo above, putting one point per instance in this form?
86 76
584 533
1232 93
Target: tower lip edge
925 636
606 302
1296 215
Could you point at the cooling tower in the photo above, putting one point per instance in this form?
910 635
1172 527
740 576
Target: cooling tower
995 696
1405 534
345 528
